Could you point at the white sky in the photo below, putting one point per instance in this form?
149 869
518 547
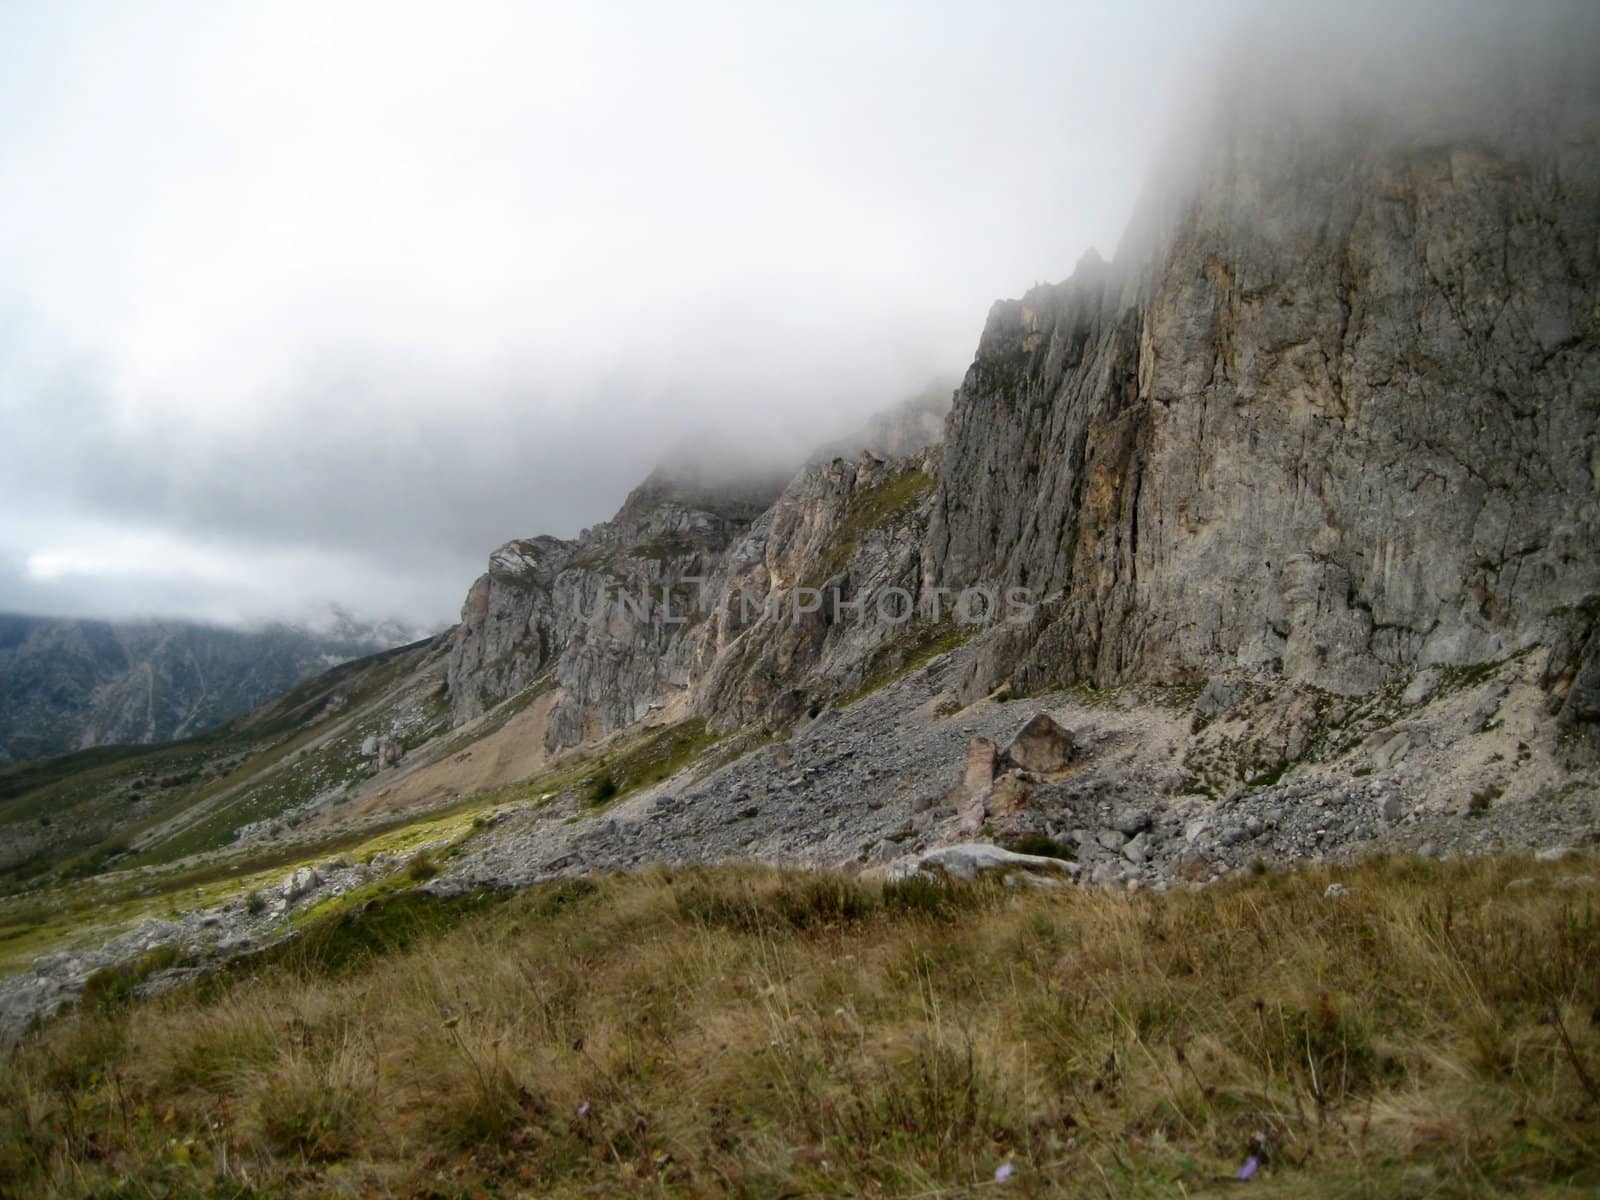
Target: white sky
320 302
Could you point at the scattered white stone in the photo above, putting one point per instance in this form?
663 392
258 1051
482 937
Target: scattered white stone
1335 891
303 882
967 860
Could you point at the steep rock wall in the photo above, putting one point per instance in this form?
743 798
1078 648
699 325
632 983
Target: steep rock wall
1340 424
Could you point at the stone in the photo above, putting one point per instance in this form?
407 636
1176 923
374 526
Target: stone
1010 794
980 770
1129 821
1137 850
1219 696
1111 839
966 861
301 883
1391 750
1041 747
1421 688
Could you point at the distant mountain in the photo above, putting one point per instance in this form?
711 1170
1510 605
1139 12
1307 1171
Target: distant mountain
71 684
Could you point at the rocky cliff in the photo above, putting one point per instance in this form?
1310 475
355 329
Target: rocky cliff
1336 423
698 598
1329 418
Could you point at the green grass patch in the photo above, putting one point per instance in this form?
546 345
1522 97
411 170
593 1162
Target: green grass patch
869 509
899 656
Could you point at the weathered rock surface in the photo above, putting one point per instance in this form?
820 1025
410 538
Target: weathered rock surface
1339 424
701 600
966 861
1041 746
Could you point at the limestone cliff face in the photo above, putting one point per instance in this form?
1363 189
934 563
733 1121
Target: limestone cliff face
604 615
697 599
820 591
1331 416
1338 423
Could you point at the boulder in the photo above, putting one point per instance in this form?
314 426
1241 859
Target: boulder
302 883
1041 747
981 755
1008 795
1422 687
967 860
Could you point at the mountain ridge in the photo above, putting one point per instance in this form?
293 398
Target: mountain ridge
74 683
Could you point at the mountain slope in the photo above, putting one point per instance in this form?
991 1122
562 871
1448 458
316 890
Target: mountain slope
71 684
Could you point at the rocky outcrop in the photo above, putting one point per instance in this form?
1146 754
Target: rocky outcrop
607 617
1041 747
1328 420
1338 425
733 601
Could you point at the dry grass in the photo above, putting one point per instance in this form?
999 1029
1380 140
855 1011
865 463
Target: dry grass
749 1033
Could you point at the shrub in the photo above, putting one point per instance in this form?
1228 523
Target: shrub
602 787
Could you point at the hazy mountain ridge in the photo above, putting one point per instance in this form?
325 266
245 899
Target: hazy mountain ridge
69 684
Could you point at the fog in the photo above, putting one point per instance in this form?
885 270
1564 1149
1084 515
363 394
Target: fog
318 303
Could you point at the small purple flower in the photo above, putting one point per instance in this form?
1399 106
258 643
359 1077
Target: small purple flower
583 1111
1004 1172
1248 1171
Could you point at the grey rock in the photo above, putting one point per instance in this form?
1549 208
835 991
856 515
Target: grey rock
968 860
1130 821
300 884
1041 746
1200 448
1219 697
1421 688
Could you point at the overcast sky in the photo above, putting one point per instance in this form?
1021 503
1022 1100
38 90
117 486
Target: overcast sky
312 303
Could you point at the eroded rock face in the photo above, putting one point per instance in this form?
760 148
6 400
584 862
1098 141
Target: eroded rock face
1339 426
732 604
1329 420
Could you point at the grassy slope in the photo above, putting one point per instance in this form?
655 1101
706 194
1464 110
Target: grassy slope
759 1034
204 787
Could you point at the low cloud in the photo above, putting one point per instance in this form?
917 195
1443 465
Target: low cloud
312 303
